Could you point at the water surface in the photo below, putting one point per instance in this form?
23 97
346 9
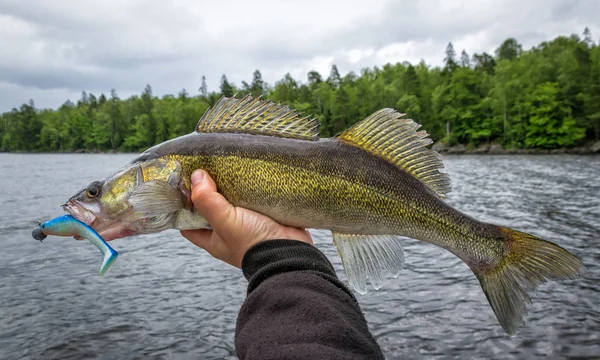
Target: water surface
165 298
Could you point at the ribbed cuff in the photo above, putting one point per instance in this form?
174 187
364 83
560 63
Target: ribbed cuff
273 257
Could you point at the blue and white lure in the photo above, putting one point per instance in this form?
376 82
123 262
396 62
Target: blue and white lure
69 226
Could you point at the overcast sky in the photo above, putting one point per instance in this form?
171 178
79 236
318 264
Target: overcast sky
52 50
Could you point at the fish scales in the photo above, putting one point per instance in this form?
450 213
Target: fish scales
311 184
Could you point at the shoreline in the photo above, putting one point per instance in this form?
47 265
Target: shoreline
441 148
497 149
77 152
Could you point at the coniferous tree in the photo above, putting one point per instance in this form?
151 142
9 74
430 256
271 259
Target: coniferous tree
226 88
257 88
465 61
203 89
334 79
450 59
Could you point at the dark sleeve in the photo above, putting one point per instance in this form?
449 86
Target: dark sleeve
297 308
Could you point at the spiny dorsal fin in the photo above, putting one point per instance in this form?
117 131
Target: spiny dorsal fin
386 134
255 116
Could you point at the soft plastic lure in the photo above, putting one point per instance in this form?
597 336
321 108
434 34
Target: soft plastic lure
69 226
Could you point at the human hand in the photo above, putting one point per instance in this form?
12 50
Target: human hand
234 229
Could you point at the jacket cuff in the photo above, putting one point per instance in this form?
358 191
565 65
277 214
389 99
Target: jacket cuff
272 257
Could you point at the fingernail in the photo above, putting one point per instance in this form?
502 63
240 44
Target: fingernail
197 177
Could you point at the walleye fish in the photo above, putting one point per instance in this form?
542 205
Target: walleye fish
373 182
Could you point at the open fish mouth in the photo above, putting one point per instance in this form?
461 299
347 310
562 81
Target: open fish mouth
79 212
107 230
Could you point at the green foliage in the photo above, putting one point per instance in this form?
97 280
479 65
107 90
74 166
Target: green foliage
544 97
6 142
550 123
226 88
410 105
509 50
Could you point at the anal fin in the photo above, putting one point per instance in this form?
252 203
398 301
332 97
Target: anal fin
367 257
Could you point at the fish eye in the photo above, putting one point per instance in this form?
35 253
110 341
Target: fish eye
93 190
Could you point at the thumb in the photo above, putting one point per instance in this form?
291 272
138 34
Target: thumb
210 204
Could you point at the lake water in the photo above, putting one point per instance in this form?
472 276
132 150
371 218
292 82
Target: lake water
165 298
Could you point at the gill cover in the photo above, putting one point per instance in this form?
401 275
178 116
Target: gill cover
157 197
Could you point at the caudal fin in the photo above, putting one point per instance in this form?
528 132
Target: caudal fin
529 262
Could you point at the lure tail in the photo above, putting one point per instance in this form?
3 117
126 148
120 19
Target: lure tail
530 261
110 255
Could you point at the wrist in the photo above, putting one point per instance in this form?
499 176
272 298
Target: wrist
273 257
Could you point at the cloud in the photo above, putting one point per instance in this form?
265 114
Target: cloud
53 49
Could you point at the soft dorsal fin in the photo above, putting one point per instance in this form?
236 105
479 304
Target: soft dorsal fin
255 116
386 134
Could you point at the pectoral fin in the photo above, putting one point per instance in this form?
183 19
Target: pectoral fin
366 257
155 198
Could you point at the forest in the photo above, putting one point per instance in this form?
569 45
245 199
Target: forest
546 97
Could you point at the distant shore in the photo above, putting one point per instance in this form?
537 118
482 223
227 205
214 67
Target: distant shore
497 149
79 151
491 149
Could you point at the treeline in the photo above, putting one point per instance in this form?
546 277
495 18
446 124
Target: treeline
545 97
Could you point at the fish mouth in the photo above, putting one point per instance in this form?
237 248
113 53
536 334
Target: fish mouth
107 230
81 213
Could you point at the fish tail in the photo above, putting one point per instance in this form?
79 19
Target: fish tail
528 262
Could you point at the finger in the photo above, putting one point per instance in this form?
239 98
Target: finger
212 206
200 238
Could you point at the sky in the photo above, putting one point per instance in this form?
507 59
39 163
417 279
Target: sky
52 50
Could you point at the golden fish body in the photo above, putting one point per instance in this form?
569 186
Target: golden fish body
375 181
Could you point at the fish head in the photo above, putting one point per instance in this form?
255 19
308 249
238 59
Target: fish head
104 204
117 206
